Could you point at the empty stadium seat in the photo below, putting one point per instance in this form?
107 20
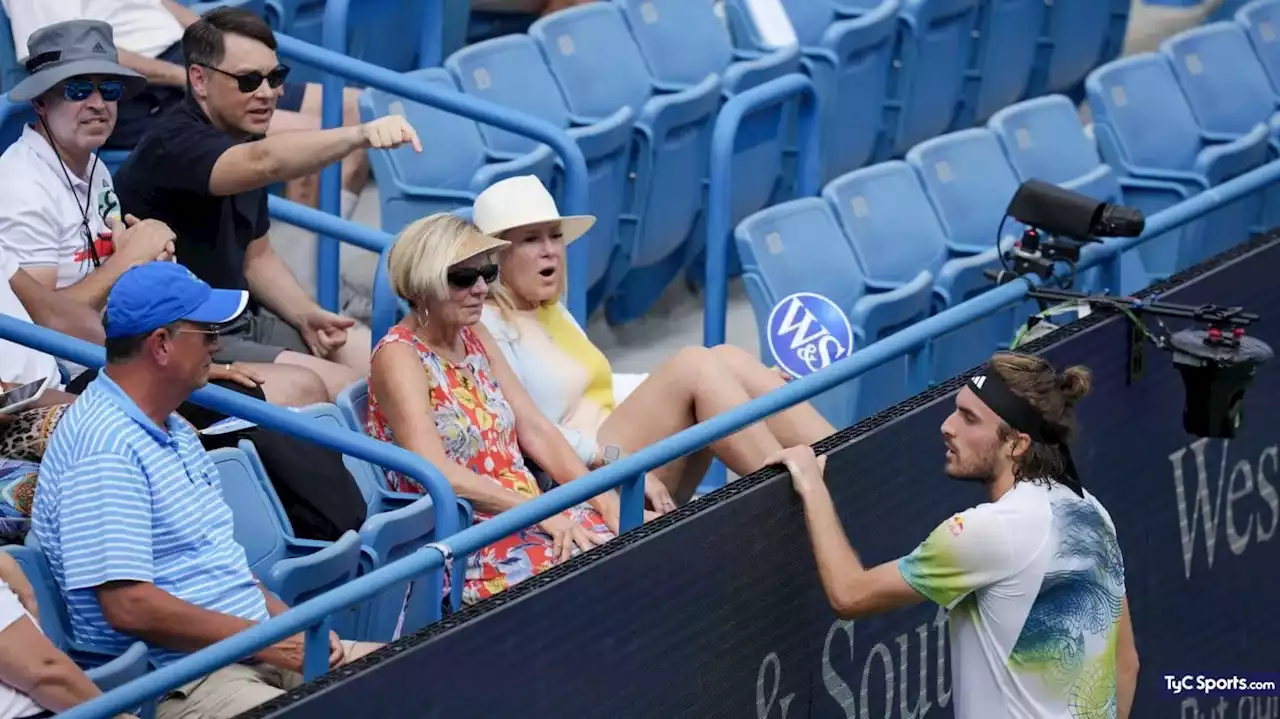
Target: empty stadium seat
1044 139
1227 89
1261 21
935 39
896 237
599 69
511 71
106 671
1076 37
1145 128
797 246
293 569
455 166
848 60
682 43
387 33
1004 52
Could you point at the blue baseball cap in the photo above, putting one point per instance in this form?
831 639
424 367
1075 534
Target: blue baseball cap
155 294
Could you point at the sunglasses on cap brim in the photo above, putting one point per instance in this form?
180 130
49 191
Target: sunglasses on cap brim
465 277
80 90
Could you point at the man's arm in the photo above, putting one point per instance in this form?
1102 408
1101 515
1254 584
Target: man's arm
183 14
852 590
157 72
143 610
289 155
272 284
56 310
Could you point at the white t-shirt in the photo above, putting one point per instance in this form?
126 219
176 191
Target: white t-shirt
1034 584
42 220
144 27
14 704
19 364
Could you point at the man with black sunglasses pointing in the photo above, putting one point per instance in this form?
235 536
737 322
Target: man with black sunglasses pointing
205 168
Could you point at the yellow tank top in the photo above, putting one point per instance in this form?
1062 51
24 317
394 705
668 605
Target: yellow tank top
569 338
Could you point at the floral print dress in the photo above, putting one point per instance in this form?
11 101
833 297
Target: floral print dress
478 429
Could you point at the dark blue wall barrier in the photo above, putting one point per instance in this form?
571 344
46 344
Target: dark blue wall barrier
716 611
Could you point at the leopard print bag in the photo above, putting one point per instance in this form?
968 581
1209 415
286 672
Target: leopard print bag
27 434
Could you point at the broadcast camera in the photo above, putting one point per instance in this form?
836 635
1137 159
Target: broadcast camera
1217 363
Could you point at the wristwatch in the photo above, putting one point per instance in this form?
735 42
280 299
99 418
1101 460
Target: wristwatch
609 453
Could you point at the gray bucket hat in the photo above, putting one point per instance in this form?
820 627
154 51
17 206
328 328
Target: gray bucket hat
70 49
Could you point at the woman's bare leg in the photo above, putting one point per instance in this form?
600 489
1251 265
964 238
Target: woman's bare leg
801 424
687 389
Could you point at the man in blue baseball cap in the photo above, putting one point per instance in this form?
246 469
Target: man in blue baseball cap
130 510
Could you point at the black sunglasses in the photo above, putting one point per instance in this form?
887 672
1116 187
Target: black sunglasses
250 81
465 277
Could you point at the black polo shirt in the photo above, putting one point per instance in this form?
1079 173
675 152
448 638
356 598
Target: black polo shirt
167 178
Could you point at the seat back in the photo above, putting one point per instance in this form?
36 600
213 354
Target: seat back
1140 116
1043 138
887 219
12 72
1078 33
1007 40
1224 82
366 475
810 19
936 54
458 149
510 71
682 42
594 59
1261 22
970 183
259 524
797 246
386 33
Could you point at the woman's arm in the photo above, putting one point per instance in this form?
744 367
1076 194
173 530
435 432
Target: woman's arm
33 666
398 380
539 438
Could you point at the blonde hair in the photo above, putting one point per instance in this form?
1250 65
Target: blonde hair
419 261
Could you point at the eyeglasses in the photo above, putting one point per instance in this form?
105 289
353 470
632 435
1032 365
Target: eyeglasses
250 81
464 278
80 90
211 334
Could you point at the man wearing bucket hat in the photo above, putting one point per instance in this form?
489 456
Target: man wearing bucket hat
59 214
60 218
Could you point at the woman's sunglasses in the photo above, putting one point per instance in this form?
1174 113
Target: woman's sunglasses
80 90
250 81
464 278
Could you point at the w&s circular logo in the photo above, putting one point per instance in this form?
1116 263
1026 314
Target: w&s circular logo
808 332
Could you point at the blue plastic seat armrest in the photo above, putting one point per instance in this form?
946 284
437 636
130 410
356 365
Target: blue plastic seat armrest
895 306
744 75
385 531
324 569
606 136
122 669
1146 183
664 112
530 163
1221 162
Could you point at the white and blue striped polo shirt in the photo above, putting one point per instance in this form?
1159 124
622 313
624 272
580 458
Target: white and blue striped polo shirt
121 499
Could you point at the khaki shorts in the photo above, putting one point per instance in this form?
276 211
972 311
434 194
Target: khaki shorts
235 689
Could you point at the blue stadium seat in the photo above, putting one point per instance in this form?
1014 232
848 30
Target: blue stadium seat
935 40
1071 45
797 246
897 237
848 60
1005 48
106 671
455 165
511 71
11 72
1261 20
293 569
387 33
1044 139
1228 91
599 69
1145 128
683 42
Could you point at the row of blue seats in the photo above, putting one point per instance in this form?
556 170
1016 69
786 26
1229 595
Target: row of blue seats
897 241
639 84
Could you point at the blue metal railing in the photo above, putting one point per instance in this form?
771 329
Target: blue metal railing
233 403
630 469
336 65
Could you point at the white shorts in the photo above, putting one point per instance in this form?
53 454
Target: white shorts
625 384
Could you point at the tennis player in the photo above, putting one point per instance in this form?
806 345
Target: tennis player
1033 580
